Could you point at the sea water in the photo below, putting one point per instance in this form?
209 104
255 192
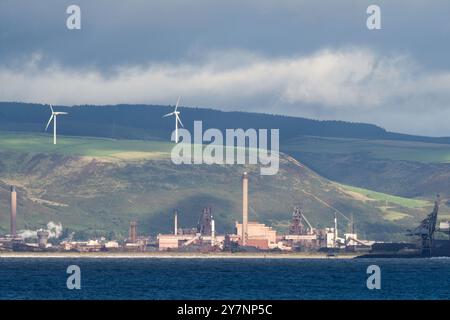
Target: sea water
36 278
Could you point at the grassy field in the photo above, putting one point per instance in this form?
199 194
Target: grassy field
85 146
146 149
394 208
385 149
387 198
93 147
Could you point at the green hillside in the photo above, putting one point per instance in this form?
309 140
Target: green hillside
96 186
403 168
85 146
382 149
387 198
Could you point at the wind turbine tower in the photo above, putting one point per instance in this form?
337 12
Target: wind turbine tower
53 117
176 113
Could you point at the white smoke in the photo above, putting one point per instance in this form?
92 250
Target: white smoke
27 234
54 230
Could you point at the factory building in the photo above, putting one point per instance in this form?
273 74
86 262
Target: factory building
332 239
302 236
444 227
175 241
180 241
204 236
258 235
251 234
111 246
135 243
302 242
82 246
168 241
351 239
179 237
97 245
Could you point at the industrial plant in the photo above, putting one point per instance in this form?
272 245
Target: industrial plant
248 236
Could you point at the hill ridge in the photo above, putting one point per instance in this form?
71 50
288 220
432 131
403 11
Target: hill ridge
137 121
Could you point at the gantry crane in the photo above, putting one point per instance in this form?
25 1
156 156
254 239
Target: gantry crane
425 231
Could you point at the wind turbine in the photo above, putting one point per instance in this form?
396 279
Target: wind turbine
53 117
177 119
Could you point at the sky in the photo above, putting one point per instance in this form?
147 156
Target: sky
314 59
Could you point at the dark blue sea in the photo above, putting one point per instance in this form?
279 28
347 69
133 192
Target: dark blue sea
224 279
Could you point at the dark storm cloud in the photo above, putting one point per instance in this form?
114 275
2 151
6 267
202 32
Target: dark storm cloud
306 58
135 32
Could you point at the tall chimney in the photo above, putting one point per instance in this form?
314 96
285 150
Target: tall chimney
13 211
132 236
335 230
42 236
244 208
175 223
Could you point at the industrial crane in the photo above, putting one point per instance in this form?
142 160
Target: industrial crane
425 231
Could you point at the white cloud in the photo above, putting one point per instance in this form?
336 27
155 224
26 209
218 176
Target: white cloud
354 83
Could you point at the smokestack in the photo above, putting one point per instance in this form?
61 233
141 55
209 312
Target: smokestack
213 228
132 236
13 211
42 236
175 223
335 230
244 208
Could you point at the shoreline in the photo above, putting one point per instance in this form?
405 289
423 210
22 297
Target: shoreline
171 255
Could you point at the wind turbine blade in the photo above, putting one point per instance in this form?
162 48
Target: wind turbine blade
58 113
169 114
51 108
179 120
48 123
178 101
